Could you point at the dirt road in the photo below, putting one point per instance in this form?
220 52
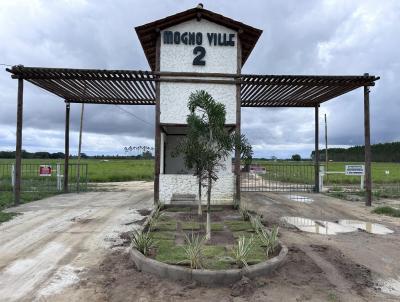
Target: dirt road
44 250
72 248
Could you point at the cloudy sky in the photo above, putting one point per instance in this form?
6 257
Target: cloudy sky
300 37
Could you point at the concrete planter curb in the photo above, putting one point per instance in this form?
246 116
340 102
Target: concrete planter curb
204 276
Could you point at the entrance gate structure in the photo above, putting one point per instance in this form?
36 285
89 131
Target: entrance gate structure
193 50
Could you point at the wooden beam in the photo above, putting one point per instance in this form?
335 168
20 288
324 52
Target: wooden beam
157 137
66 158
18 144
367 144
316 153
80 150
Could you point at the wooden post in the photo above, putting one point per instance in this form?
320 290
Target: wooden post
157 138
367 148
66 159
326 147
316 153
80 149
18 144
238 122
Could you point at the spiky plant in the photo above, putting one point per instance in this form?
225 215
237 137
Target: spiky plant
256 222
155 218
241 250
143 241
245 214
269 239
194 250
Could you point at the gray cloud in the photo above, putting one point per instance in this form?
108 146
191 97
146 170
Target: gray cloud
307 37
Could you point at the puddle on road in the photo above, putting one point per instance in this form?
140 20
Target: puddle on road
390 286
300 198
317 226
369 227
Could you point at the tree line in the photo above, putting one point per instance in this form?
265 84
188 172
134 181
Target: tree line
60 155
386 152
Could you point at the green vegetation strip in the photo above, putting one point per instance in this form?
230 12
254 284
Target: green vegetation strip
386 210
6 216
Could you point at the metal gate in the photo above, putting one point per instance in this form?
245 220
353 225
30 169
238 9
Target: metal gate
31 181
279 177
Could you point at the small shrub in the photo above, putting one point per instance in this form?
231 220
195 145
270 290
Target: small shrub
155 218
245 214
241 250
236 204
337 189
269 239
194 250
386 210
256 222
143 241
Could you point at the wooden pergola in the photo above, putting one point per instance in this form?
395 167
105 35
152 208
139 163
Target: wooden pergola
135 87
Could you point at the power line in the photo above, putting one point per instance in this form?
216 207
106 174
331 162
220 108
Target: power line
135 116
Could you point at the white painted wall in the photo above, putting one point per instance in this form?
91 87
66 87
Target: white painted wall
220 59
174 98
222 190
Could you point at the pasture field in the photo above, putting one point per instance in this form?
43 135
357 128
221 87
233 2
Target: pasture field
103 170
113 170
303 172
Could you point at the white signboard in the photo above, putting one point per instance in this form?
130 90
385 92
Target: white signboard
357 170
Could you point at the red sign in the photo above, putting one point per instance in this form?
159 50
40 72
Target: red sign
45 170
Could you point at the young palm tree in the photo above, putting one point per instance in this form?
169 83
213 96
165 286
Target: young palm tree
208 143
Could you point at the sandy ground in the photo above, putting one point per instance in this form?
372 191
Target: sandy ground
55 240
72 248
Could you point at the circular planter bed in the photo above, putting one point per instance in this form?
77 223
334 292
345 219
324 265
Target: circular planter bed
171 229
206 276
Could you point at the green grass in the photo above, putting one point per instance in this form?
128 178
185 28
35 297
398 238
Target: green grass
169 253
303 172
166 225
386 210
190 225
217 226
178 209
238 225
98 170
6 216
7 198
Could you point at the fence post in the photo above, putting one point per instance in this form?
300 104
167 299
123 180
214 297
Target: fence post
362 182
59 187
12 176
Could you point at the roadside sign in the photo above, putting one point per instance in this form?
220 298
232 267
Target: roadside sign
357 170
44 170
257 169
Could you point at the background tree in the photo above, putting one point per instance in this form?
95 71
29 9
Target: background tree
296 157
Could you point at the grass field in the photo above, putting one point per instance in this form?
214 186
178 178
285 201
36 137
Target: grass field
303 172
99 170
